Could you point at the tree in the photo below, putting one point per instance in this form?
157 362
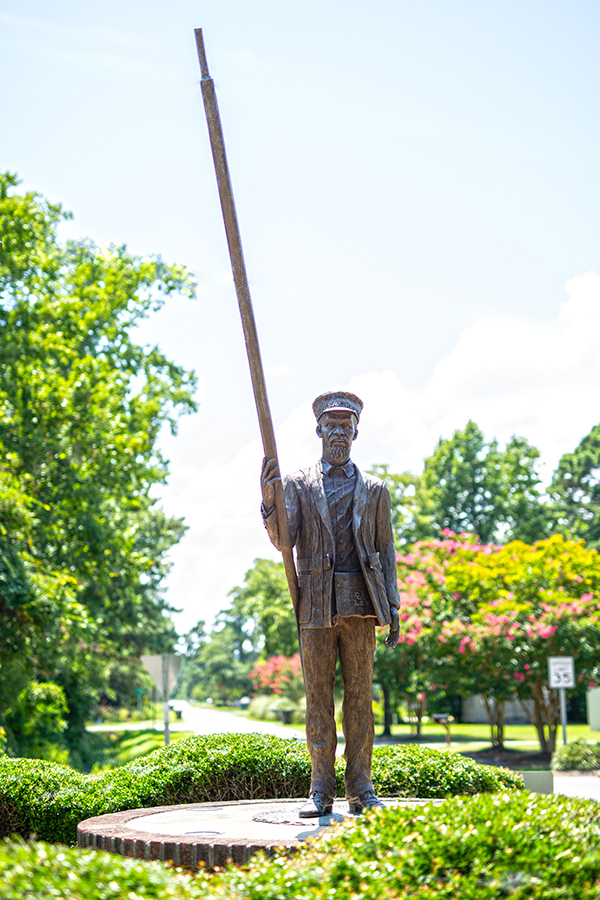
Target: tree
483 619
470 485
83 542
575 489
402 495
518 605
425 604
218 664
264 600
258 623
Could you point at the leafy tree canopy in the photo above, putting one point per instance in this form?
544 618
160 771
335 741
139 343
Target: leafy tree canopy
470 485
83 542
575 489
258 624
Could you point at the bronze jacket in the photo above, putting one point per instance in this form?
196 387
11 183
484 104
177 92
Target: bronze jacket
312 534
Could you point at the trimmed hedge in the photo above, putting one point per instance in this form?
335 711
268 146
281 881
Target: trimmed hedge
49 801
37 871
579 756
479 848
475 848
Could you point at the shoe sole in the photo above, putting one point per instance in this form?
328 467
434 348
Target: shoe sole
316 814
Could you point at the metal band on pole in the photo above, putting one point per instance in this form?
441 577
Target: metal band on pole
240 279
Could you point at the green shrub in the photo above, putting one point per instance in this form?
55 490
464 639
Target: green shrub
477 848
414 771
474 848
265 707
39 871
35 719
579 755
49 800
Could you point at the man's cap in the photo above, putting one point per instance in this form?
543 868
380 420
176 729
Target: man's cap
337 401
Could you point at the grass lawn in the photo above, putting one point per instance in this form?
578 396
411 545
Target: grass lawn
470 738
119 744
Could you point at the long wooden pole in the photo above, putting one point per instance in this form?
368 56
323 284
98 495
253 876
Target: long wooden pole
240 279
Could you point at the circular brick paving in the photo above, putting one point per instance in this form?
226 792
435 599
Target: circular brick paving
210 834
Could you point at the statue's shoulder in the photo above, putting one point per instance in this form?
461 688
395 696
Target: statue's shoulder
371 482
304 478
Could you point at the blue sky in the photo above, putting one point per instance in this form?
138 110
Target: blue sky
416 184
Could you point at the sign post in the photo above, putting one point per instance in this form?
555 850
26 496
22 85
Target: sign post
561 676
164 670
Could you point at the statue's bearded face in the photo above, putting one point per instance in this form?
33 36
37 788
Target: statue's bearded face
337 429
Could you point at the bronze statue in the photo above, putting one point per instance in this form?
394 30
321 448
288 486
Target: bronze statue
339 522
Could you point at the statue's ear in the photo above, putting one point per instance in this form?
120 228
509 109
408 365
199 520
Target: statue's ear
319 432
355 434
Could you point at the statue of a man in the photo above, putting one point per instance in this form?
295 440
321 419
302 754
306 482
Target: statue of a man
340 524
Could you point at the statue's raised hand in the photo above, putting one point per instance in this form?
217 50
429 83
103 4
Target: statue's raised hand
269 476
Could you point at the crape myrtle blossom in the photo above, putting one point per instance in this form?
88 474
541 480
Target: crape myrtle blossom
486 618
279 675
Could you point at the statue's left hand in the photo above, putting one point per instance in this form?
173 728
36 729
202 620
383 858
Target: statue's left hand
394 633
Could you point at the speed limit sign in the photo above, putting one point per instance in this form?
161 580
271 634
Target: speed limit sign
561 672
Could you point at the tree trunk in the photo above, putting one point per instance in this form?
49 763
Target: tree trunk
494 710
545 716
499 715
387 712
420 709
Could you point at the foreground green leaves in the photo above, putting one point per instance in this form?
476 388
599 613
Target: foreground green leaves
485 847
49 800
476 848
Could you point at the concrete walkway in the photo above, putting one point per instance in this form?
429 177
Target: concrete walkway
586 787
203 720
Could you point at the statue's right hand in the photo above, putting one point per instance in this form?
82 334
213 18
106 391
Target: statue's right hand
269 476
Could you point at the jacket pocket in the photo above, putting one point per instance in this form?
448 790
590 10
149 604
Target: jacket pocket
305 600
374 563
305 590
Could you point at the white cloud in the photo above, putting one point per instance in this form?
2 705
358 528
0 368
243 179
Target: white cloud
508 375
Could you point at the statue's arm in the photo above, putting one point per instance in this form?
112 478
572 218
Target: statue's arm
269 476
387 555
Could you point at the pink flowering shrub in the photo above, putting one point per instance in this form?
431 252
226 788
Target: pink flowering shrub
279 675
484 619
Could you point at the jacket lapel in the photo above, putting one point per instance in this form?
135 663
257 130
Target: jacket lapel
321 500
360 499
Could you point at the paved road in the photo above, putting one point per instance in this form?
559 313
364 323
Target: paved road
203 720
585 786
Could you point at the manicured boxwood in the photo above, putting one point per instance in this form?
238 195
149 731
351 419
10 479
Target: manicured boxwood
49 800
413 771
473 848
477 848
576 756
39 871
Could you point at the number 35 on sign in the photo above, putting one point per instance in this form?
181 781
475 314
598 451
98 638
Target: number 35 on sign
561 672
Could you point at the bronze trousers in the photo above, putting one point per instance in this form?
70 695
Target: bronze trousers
354 639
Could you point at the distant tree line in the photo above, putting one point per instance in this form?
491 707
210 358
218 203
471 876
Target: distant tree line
471 485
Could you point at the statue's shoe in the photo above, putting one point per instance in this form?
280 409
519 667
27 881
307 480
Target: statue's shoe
366 800
318 804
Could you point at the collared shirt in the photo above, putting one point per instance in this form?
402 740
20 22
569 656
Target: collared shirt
339 483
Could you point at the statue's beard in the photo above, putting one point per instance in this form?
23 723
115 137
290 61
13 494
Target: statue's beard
339 454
